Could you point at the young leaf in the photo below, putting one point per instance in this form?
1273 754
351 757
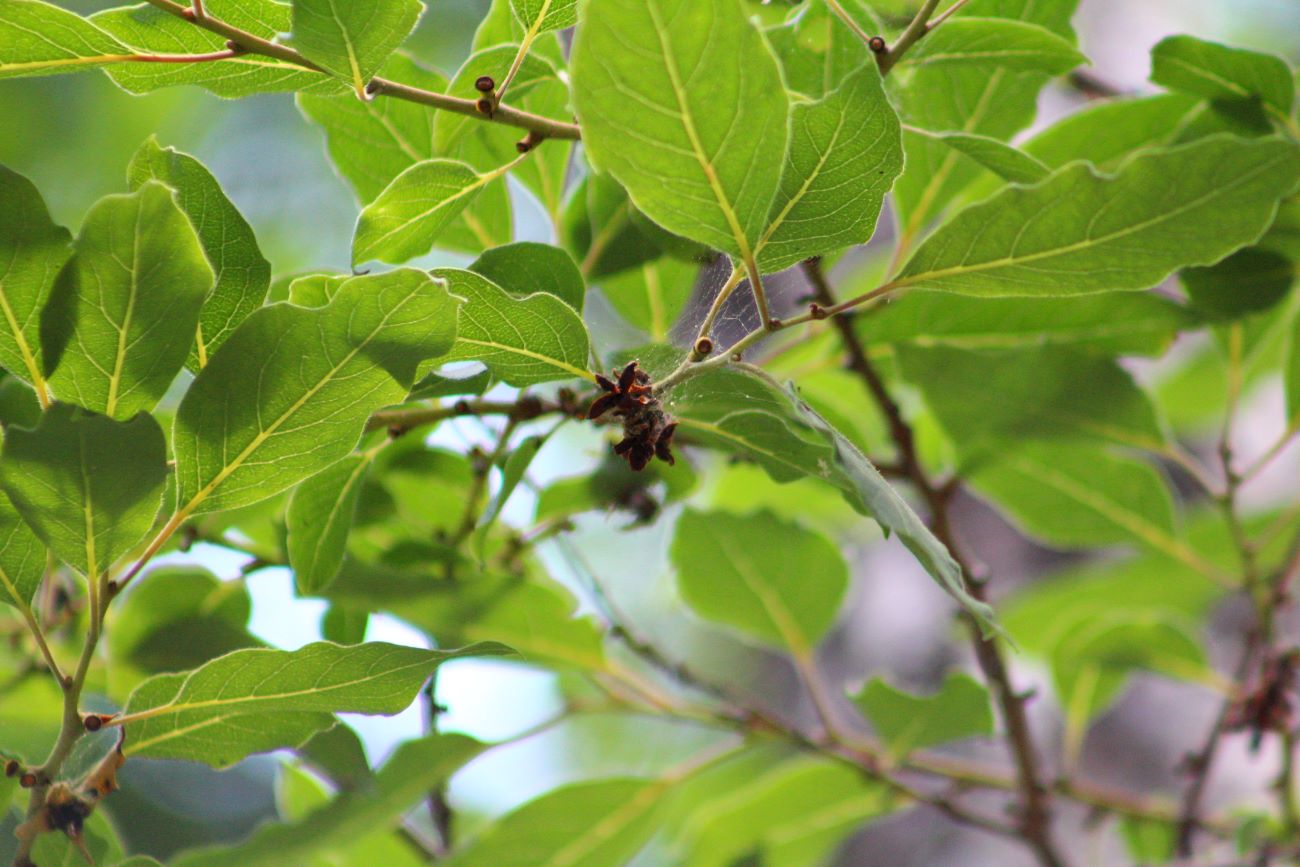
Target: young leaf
122 318
41 39
1003 160
319 374
960 709
697 139
996 42
242 274
761 576
352 40
257 700
845 154
1080 232
88 485
1221 72
318 520
410 214
523 341
528 267
32 252
22 557
415 768
542 15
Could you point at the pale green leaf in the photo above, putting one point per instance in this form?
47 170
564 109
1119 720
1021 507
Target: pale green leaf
698 143
527 267
412 211
257 700
122 318
845 154
652 295
543 15
319 518
512 473
291 390
352 39
1080 232
1108 132
761 576
996 42
242 274
523 341
1003 160
817 50
22 557
1221 72
42 39
415 769
344 625
32 252
316 290
906 722
88 485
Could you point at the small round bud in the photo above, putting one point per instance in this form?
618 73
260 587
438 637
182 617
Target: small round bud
395 431
112 587
816 311
27 780
95 721
484 106
12 768
877 44
704 347
523 146
462 407
485 84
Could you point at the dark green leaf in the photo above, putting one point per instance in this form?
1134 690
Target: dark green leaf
906 722
319 519
1003 160
653 295
1219 72
1247 282
528 267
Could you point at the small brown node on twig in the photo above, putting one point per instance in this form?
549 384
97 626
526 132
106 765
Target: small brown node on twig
878 45
96 721
232 45
816 311
485 106
27 780
485 84
528 142
112 588
462 407
395 431
12 767
703 347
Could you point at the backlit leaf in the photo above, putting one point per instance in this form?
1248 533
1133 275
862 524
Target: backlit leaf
527 267
352 40
906 722
319 519
996 42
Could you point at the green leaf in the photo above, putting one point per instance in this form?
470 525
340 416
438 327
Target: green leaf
543 15
316 290
319 518
535 72
697 143
122 318
242 274
415 769
1080 232
846 152
1291 375
906 722
344 625
319 374
409 215
1003 160
609 235
1111 323
1077 496
817 50
1149 841
996 42
511 475
761 576
22 557
32 252
1106 133
1247 282
257 700
352 40
653 295
41 39
523 341
1221 72
528 267
88 485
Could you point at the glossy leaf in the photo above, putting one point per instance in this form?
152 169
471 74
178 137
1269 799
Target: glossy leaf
257 700
319 375
699 153
88 485
242 274
523 341
512 473
906 722
1218 195
1219 72
123 316
761 576
352 40
318 521
996 42
528 267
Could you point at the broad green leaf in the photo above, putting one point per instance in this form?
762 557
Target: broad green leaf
652 295
257 700
528 267
42 39
595 824
122 318
344 625
32 252
352 40
88 485
906 722
542 15
512 473
523 341
996 42
409 215
1221 72
1111 323
1078 496
316 290
818 52
22 557
242 274
1003 160
436 385
993 397
1106 133
415 769
319 518
150 30
608 235
845 154
1247 282
1080 232
290 391
761 576
450 129
697 143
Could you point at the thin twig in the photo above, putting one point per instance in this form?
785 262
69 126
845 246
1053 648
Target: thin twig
910 36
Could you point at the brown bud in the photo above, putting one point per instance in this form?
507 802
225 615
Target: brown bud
485 84
395 431
27 780
816 311
877 44
462 407
96 721
12 768
528 142
704 347
484 106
